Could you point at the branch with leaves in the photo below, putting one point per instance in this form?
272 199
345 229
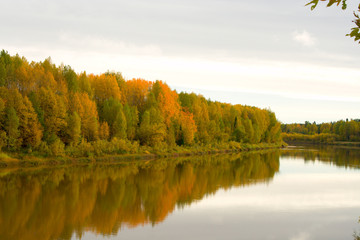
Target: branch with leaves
356 235
355 31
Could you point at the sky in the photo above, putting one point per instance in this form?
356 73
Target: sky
270 54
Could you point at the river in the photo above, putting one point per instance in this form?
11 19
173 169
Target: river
299 193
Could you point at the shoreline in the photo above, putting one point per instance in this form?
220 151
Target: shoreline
28 161
336 143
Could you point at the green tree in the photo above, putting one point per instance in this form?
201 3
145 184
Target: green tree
12 129
120 125
132 119
152 130
74 129
2 73
112 112
71 79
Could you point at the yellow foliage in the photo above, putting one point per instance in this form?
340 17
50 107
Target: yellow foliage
86 108
104 131
136 91
188 127
105 87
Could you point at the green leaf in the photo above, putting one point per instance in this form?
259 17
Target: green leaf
314 3
344 5
331 2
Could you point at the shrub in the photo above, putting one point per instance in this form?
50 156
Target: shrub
57 148
43 148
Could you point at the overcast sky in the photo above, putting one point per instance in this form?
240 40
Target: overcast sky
270 54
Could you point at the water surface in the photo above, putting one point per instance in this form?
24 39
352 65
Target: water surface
296 194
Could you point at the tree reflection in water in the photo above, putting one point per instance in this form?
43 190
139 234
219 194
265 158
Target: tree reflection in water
339 156
56 203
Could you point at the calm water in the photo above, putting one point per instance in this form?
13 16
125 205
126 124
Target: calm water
294 194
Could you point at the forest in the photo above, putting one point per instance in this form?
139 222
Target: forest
343 130
53 111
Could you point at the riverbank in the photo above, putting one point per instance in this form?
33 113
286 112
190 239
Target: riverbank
317 139
11 159
335 143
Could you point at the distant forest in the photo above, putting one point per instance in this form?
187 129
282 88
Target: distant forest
343 130
55 111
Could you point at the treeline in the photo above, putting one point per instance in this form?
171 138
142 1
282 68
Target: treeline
56 111
348 130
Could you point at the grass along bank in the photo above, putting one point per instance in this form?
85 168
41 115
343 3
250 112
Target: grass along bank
31 159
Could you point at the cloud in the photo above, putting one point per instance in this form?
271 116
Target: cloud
304 38
102 45
301 236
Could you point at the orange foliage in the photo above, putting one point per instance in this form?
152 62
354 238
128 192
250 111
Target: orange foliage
136 91
168 103
188 127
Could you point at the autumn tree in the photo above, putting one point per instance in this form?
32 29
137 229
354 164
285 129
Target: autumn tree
136 91
104 131
120 81
29 126
325 128
274 128
84 84
188 127
41 78
152 130
105 87
54 109
73 129
42 102
168 102
87 110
